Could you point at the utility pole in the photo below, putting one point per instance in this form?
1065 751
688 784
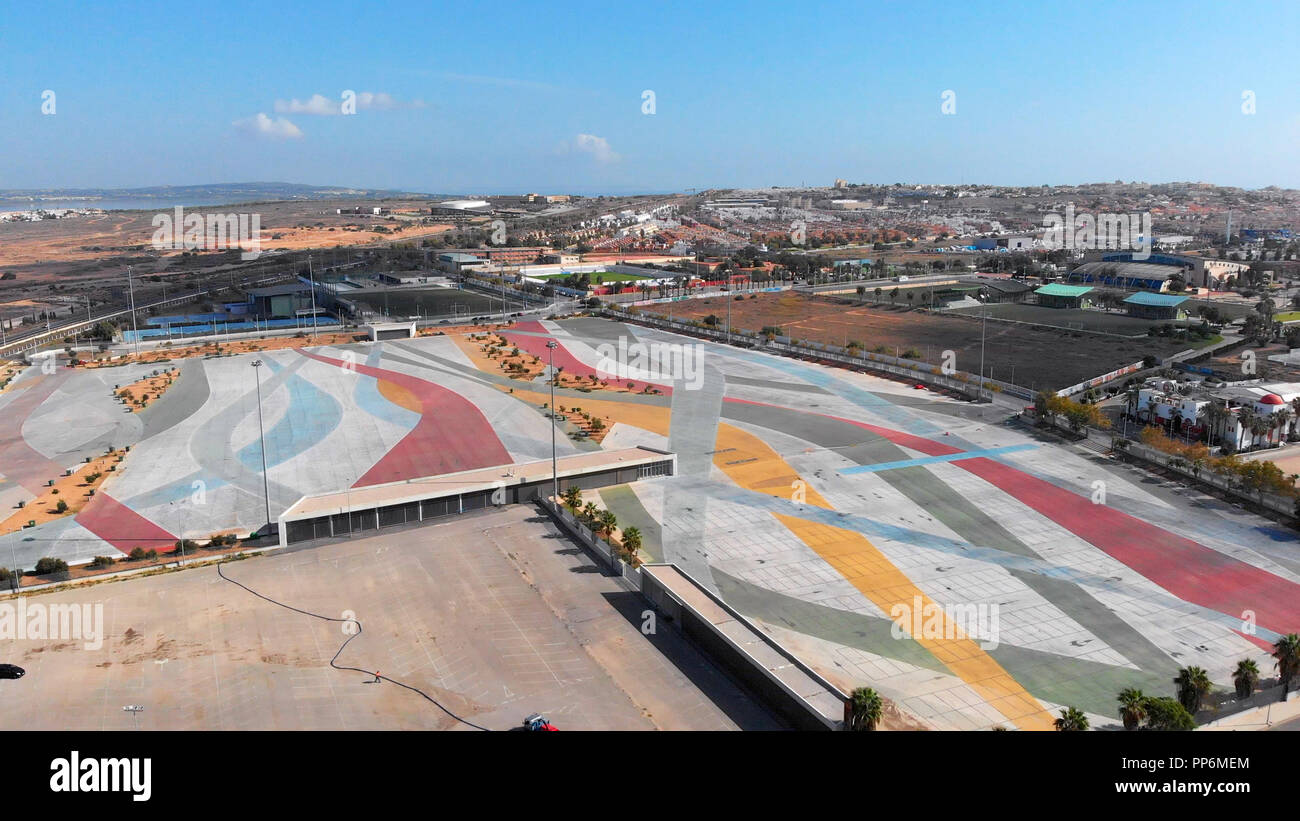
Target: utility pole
551 345
135 330
312 276
261 435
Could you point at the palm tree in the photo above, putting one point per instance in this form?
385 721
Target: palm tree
631 539
1246 418
1281 419
1132 707
1215 416
589 511
880 290
1071 720
865 709
1131 394
1193 684
1246 677
1261 425
1287 653
572 497
608 521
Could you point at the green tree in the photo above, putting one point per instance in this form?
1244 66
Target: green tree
1132 707
572 497
1071 720
865 709
1165 714
1193 684
631 539
1287 653
1245 678
607 521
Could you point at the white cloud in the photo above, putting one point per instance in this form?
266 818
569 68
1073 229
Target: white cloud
597 147
273 129
318 105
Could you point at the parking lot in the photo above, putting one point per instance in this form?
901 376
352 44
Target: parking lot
493 617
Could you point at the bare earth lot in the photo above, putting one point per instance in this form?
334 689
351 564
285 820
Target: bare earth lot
1038 358
495 616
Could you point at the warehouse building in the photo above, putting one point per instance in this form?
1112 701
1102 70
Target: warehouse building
397 504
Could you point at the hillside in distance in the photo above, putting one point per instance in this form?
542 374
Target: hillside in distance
213 194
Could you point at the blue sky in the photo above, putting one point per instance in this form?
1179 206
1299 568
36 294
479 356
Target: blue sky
496 97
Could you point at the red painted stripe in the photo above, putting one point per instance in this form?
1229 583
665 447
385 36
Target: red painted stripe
452 434
536 345
19 461
1187 569
121 526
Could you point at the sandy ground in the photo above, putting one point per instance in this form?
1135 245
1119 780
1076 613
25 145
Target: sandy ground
140 393
74 490
1008 349
39 250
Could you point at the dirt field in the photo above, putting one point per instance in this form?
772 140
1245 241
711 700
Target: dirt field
41 251
1031 357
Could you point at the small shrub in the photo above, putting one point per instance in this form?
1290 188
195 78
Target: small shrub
46 566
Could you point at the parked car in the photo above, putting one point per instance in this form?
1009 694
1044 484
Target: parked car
11 671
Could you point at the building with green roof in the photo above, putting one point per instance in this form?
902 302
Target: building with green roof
1062 296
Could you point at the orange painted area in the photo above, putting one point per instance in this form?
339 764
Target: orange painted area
753 465
399 395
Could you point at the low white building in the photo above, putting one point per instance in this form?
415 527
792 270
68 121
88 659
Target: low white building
1184 411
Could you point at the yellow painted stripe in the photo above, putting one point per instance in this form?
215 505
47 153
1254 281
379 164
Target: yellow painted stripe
754 466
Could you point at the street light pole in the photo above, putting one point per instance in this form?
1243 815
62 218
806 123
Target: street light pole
983 324
551 345
312 276
135 329
261 435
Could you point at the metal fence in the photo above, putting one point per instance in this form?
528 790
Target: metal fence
1102 441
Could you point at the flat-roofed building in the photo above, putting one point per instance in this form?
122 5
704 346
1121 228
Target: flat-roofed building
1147 305
379 331
1062 296
374 507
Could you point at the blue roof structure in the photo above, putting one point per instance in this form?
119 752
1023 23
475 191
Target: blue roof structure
1156 300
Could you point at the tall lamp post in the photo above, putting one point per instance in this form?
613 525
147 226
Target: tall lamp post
551 345
261 436
135 328
983 324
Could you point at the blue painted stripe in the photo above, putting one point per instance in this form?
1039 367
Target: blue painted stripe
930 460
